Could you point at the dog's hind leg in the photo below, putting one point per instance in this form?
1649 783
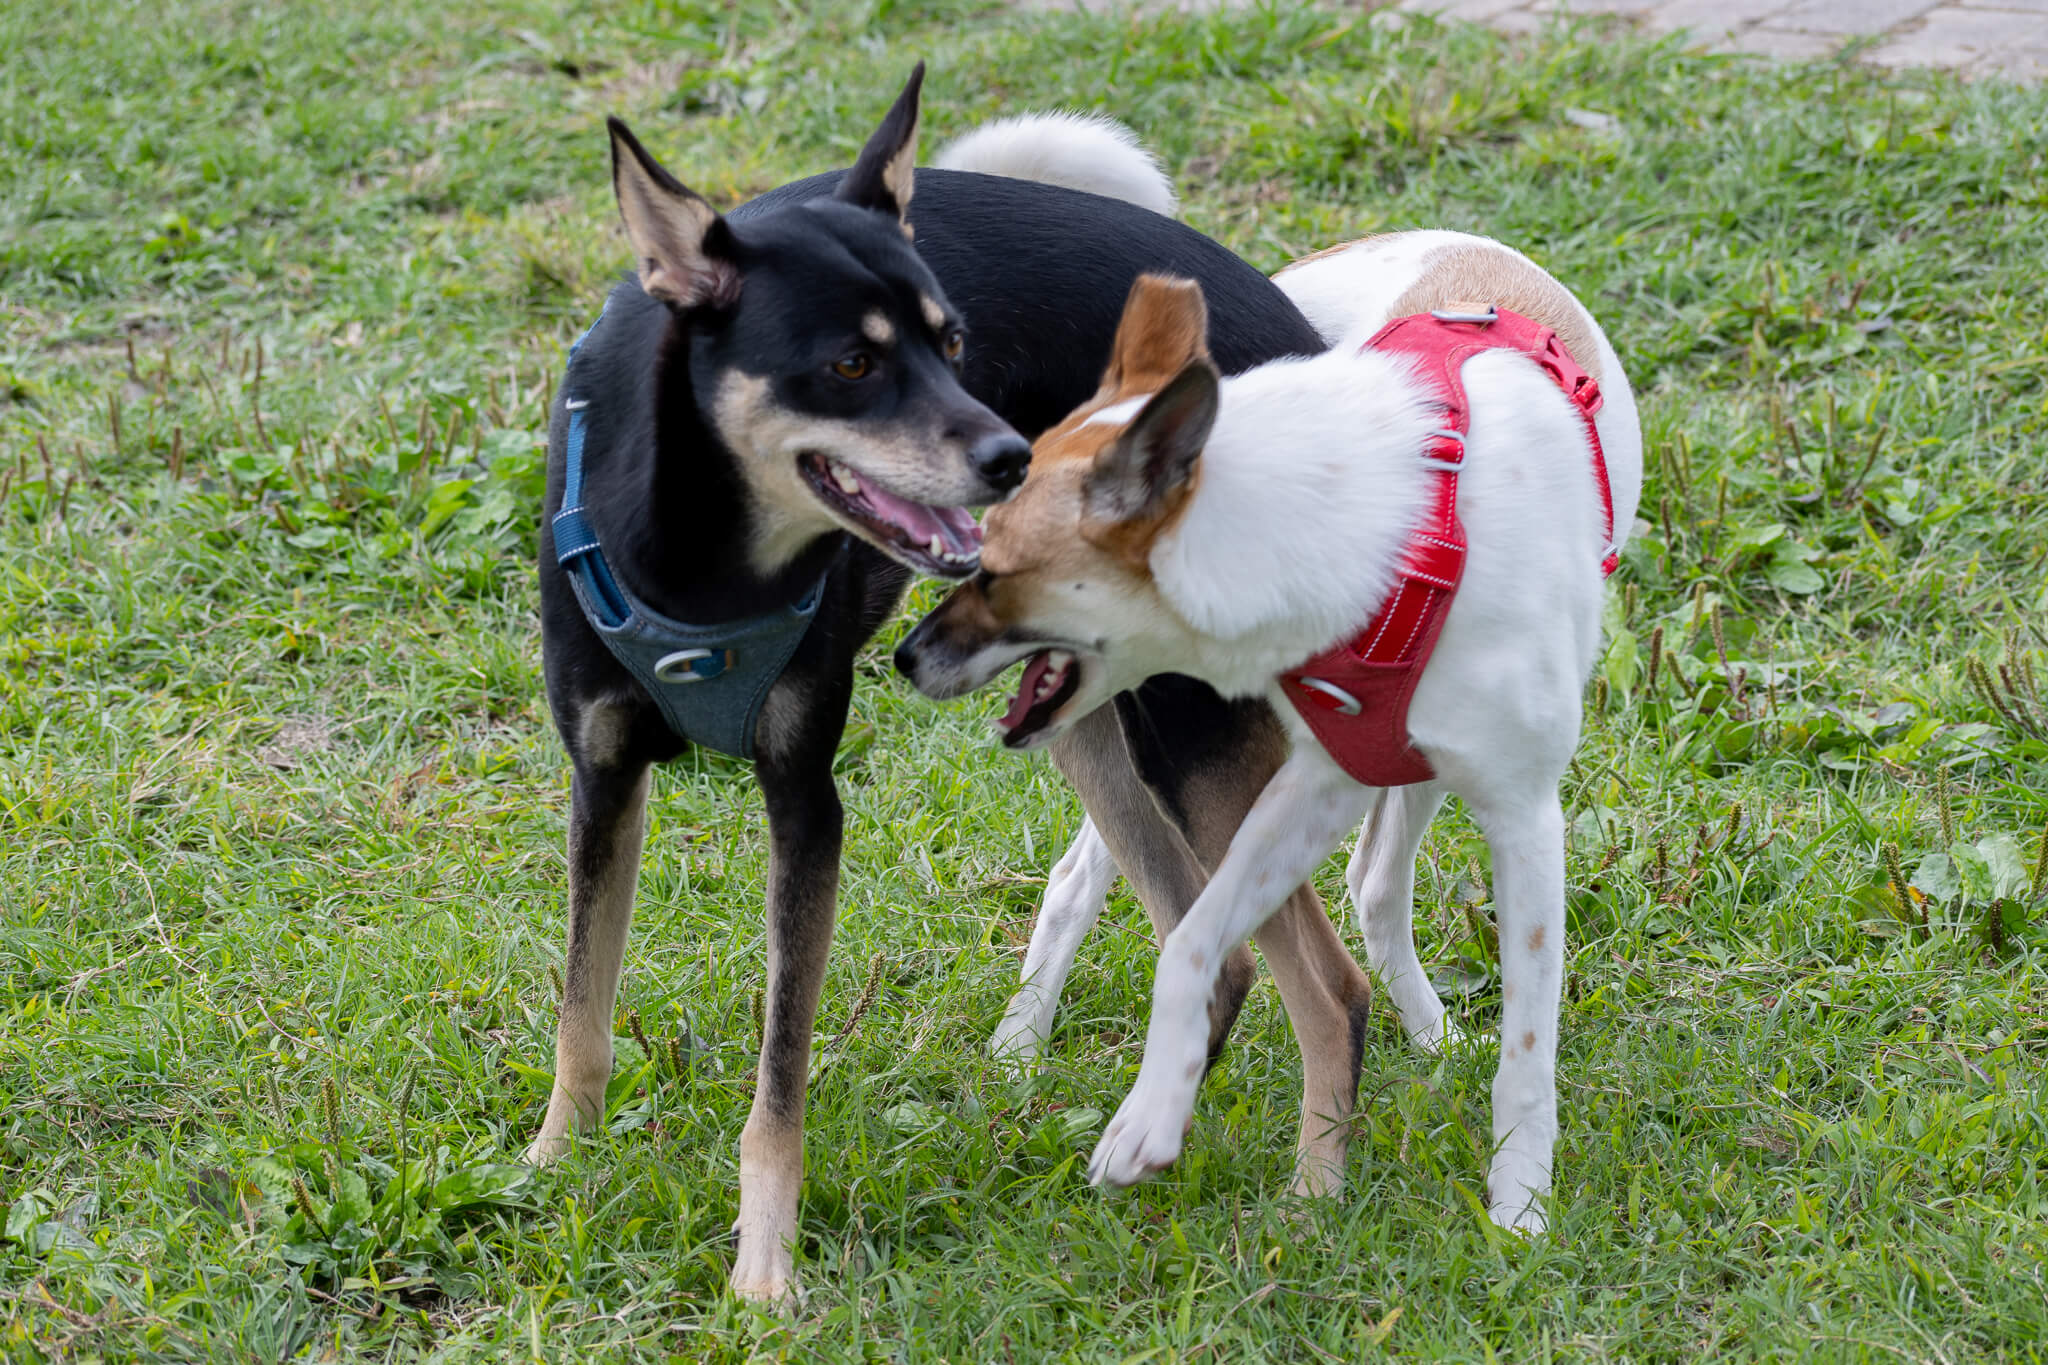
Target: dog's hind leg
1074 895
1148 847
1381 878
607 824
1526 836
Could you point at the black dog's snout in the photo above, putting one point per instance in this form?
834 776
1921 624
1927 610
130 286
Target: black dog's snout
1002 460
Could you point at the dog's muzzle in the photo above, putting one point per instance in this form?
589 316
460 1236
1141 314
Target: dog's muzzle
1001 459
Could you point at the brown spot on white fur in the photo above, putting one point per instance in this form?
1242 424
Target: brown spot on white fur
1529 1041
1536 937
877 328
1463 274
1338 249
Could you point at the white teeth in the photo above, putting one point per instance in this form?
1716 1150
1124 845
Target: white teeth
937 546
1056 662
847 480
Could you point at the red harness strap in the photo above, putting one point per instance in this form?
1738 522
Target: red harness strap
1355 695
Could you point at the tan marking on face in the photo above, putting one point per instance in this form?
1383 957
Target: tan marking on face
1462 275
877 328
1536 937
1044 536
934 316
915 462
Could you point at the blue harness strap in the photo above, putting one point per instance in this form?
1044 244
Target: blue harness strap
709 681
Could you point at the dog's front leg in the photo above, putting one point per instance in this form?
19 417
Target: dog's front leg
804 831
607 823
1297 820
1527 840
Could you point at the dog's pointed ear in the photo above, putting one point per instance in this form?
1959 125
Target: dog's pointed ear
681 246
1164 329
1140 479
881 178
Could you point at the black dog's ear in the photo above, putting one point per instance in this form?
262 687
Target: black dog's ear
680 244
881 179
1148 470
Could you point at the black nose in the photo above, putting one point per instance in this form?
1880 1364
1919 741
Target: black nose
1001 460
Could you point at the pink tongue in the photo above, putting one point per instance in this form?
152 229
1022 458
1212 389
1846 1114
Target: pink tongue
953 525
1027 691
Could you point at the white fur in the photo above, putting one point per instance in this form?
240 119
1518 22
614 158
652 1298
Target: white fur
1348 295
1081 151
1313 497
1304 493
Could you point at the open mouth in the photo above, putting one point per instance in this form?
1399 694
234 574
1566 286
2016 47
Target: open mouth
942 541
1051 677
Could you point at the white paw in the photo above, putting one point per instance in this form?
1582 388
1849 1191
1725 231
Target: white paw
1438 1036
1020 1039
1145 1136
545 1151
1519 1216
1516 1193
763 1271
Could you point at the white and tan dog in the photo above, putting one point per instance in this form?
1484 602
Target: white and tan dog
1233 530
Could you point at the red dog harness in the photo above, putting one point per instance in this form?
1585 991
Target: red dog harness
1355 695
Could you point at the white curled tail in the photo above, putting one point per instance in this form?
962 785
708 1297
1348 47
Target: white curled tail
1081 151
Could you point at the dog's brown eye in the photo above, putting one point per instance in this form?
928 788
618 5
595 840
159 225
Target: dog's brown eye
855 366
955 343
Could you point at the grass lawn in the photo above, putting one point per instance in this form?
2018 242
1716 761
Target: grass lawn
282 293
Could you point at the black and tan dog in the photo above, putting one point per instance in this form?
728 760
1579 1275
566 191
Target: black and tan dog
767 430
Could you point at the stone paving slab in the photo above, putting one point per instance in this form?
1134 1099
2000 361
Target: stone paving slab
2007 38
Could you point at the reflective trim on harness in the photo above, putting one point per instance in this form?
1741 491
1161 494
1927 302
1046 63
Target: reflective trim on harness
1354 696
670 659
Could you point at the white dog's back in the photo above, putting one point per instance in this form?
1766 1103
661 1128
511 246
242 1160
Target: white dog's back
1349 292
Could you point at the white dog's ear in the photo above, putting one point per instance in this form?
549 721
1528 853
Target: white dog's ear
882 178
681 246
1140 479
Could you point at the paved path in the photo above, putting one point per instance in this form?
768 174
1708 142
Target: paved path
1977 37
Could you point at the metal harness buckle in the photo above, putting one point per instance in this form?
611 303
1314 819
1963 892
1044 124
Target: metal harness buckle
681 666
1346 704
1453 315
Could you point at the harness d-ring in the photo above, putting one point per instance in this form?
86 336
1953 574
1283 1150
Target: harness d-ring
1344 704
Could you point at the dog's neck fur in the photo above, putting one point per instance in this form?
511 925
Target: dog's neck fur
1309 486
680 527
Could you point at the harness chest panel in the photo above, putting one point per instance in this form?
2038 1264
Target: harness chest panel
709 681
1355 696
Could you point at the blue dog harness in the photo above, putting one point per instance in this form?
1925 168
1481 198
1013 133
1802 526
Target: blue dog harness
709 681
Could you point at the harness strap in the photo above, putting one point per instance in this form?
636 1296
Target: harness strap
1355 695
709 682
